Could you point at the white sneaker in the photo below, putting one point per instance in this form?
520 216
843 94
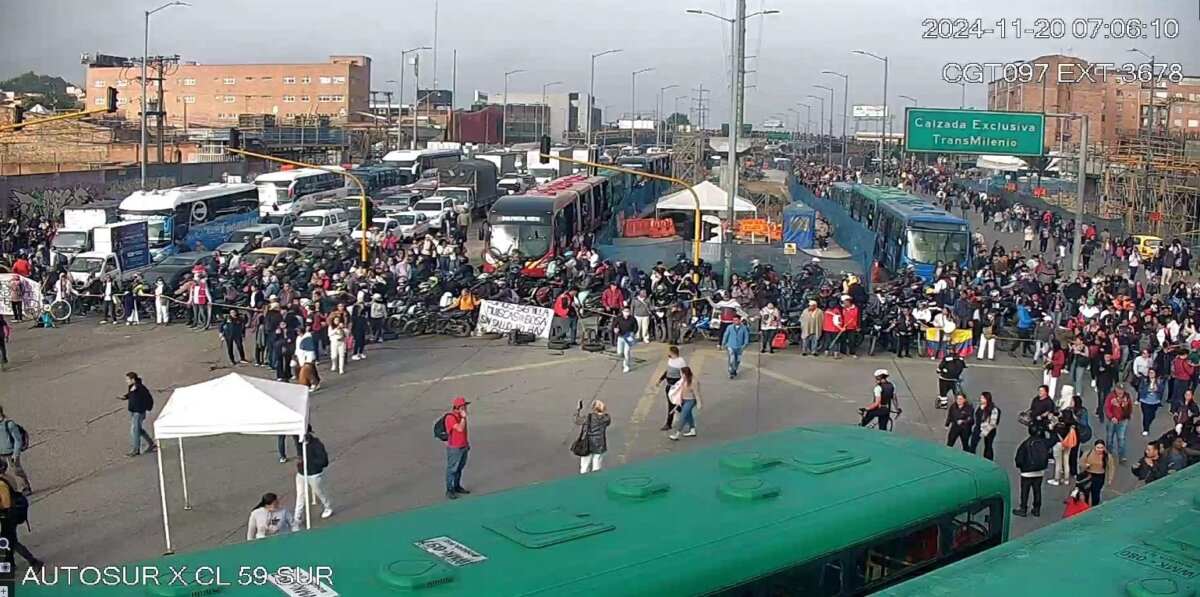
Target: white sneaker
624 369
691 433
282 460
1145 433
341 371
327 513
362 356
673 436
333 369
1053 481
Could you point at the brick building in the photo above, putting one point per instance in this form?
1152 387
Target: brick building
215 94
1115 108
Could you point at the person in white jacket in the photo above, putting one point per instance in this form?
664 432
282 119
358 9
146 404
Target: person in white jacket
161 304
337 344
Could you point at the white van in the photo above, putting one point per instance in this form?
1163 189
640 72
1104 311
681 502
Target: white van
319 222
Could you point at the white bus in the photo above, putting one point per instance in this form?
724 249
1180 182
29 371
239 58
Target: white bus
417 161
183 217
298 190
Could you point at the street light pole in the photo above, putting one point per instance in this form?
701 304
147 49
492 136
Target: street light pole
145 157
845 111
592 93
541 130
821 124
659 124
400 109
829 158
633 105
883 120
504 115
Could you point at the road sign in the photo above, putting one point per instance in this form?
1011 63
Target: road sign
932 130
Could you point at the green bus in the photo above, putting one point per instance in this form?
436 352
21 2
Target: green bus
1143 544
827 510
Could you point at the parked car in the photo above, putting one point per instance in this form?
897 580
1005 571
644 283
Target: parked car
322 221
385 224
411 225
176 268
285 221
240 240
435 208
271 255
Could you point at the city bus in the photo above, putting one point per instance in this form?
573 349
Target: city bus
826 510
653 163
543 220
293 191
1141 543
413 162
183 218
375 179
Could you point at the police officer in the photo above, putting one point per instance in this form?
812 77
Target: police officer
885 397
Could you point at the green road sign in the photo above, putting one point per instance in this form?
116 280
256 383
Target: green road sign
931 130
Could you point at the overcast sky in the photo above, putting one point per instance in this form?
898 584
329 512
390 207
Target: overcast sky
552 39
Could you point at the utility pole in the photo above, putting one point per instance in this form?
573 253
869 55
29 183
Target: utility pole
1077 248
735 129
412 143
701 110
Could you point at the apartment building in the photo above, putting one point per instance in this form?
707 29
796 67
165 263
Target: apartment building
1115 108
215 94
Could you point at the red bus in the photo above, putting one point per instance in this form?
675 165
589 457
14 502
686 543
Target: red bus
542 222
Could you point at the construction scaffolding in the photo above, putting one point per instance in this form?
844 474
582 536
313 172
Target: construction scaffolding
687 160
1156 184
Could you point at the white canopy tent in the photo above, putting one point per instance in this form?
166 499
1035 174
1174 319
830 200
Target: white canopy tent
230 404
712 198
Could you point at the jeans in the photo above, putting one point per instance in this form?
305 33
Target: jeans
625 346
687 418
377 329
1148 412
766 339
281 445
456 460
988 452
573 328
136 433
735 359
200 315
1115 437
316 485
1095 485
811 343
230 345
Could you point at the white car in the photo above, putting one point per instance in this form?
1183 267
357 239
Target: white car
411 225
436 209
385 224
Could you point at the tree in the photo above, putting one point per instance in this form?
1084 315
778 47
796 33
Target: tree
677 119
52 90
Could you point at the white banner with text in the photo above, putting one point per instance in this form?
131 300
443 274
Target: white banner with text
501 317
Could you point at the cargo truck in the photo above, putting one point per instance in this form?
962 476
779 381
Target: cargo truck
75 235
506 162
120 250
471 184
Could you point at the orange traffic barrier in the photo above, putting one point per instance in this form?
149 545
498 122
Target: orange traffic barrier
752 226
663 228
774 231
637 227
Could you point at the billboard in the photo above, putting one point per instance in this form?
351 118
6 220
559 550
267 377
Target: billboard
638 125
866 111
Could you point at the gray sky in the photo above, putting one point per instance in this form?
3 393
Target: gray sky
552 39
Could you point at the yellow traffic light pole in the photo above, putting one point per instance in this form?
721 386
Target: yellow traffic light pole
70 116
674 181
362 190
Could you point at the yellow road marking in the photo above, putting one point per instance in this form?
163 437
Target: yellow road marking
803 385
515 369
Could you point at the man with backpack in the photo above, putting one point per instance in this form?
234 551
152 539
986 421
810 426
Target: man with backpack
14 440
452 429
140 404
1033 456
14 511
318 461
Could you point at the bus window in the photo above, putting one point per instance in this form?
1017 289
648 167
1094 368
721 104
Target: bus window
973 527
813 579
896 557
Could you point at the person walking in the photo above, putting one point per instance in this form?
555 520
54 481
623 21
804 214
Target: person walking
686 393
12 443
986 422
233 332
639 306
337 344
312 471
1118 409
14 511
960 419
1150 398
458 446
5 334
269 518
735 339
306 361
594 432
358 331
671 375
139 402
769 322
1100 468
1031 459
625 329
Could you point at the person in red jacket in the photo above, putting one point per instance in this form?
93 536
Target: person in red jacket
564 308
850 327
1182 372
1118 408
22 267
613 299
831 331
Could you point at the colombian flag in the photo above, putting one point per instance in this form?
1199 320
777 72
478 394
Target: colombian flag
961 341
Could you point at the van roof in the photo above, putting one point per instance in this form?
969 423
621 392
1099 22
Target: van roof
322 212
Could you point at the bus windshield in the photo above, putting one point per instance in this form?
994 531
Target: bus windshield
533 240
932 246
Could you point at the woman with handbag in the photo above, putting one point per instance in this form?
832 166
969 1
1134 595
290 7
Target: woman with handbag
1100 469
592 442
1067 439
686 393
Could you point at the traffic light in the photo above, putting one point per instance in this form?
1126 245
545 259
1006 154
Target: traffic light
235 139
544 150
111 104
18 117
369 212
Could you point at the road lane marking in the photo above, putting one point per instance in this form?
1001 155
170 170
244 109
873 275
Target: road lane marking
644 405
803 385
502 370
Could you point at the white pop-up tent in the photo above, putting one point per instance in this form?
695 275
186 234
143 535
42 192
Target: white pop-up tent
230 404
712 198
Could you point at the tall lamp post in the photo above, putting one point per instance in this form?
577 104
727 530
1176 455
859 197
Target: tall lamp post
592 92
146 59
660 124
914 103
845 111
737 90
821 124
795 112
504 115
682 97
962 103
541 130
400 110
883 120
830 90
633 103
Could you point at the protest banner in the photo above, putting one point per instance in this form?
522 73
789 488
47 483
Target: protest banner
501 317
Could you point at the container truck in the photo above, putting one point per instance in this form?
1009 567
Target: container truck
75 236
506 162
471 184
120 250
